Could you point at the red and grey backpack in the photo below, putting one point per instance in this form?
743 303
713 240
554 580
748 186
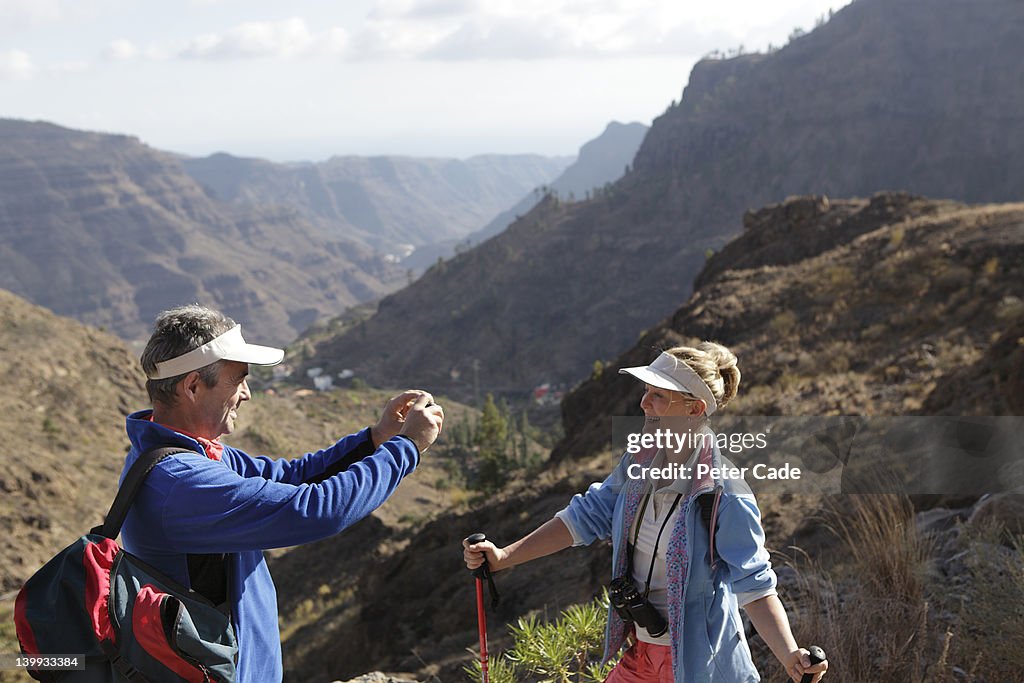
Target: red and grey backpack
123 619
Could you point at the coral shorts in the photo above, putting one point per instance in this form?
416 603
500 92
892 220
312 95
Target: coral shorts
643 663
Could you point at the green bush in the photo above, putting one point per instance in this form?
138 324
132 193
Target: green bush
566 650
499 670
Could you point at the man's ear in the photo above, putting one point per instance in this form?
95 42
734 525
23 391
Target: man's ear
188 388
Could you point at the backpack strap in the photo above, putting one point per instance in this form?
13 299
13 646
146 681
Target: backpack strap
207 573
123 666
130 488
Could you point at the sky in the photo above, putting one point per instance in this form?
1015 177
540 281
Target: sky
303 80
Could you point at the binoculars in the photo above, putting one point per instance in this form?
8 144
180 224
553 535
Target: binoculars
632 606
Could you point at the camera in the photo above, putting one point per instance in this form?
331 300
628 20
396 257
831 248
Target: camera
632 606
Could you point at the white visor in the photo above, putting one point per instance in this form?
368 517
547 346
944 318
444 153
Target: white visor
228 346
668 372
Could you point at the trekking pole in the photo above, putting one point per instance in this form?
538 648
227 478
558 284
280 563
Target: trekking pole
482 573
817 656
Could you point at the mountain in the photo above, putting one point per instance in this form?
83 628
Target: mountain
912 95
66 391
600 161
891 305
390 203
109 231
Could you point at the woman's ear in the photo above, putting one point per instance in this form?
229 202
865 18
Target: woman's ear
698 407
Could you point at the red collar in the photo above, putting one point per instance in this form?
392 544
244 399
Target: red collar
213 449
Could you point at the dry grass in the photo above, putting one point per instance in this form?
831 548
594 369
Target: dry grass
880 535
882 616
870 613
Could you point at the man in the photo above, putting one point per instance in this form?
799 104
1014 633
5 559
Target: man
210 513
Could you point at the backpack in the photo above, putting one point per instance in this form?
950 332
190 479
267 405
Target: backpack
113 618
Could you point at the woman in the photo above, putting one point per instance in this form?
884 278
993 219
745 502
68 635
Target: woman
661 545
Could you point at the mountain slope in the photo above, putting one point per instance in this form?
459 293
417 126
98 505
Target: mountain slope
67 389
911 94
110 231
390 203
601 160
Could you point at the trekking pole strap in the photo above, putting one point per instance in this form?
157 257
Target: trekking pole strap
484 572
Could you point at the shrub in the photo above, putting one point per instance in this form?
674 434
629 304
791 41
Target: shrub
783 323
568 649
896 236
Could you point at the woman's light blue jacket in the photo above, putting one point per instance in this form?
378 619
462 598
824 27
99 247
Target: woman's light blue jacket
708 643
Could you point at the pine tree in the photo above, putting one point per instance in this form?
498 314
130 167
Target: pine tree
491 437
524 434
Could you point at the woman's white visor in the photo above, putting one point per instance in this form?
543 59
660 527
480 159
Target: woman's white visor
668 372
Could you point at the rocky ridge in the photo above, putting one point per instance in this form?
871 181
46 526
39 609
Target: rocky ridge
878 307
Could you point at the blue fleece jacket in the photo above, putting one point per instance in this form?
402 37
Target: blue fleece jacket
242 505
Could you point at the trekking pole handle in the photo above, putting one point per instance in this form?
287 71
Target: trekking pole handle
817 656
483 570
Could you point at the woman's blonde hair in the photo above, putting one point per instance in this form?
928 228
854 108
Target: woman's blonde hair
714 364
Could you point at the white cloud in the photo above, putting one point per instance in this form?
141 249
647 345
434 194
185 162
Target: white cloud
121 50
16 65
434 9
454 30
124 50
510 38
255 39
474 30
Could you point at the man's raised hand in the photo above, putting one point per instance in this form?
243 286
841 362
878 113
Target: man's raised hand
423 421
393 417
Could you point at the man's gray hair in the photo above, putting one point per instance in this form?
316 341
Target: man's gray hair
177 332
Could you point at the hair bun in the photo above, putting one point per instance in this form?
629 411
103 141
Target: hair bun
723 357
727 368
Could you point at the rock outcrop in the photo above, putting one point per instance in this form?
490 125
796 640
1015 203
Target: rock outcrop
896 305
